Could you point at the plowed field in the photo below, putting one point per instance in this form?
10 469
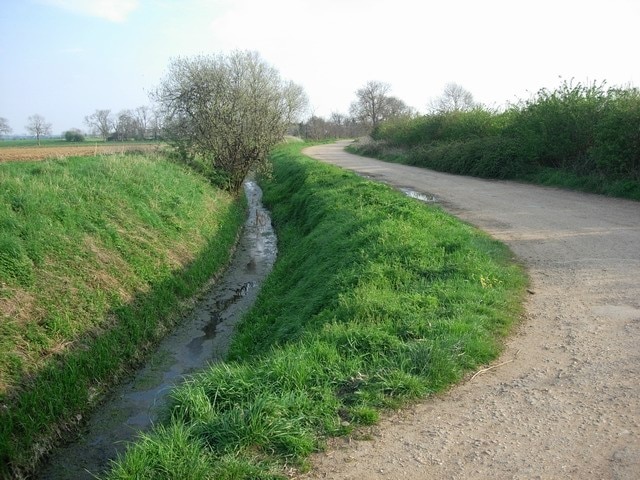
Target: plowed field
8 154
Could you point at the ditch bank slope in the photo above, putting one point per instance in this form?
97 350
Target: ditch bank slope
99 259
564 399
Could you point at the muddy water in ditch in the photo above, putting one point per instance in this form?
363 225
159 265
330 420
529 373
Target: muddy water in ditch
202 338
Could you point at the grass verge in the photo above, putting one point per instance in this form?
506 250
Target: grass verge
97 255
375 300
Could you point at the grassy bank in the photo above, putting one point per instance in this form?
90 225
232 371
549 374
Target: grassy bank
96 256
375 300
583 137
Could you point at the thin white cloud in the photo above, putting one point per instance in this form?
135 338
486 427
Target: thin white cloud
112 10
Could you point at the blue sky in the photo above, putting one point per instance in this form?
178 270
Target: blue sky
64 59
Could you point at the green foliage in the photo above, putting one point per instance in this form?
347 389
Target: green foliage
73 136
439 127
583 130
557 128
494 157
617 138
375 300
96 254
228 109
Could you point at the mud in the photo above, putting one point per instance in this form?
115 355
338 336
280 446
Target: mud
202 338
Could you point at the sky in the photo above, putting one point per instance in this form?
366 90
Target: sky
63 59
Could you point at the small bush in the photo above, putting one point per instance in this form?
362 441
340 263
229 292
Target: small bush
73 136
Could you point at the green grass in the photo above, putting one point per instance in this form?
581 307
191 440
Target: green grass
612 187
375 300
32 142
96 256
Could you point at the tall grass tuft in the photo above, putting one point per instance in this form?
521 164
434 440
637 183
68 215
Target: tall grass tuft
375 300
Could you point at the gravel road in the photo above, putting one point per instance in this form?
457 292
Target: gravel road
563 401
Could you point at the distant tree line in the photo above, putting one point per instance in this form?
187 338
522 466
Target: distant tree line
142 123
373 105
336 126
176 102
36 126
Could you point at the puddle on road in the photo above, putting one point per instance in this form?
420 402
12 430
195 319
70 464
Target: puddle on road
202 338
423 197
409 192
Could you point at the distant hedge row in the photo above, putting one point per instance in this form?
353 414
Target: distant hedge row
580 129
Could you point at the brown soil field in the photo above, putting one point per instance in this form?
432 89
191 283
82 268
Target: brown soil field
10 154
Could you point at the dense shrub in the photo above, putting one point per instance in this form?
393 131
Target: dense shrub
73 136
577 129
557 128
492 157
617 140
439 127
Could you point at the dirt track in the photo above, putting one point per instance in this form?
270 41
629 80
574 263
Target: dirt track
563 401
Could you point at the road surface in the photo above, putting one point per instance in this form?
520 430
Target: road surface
563 401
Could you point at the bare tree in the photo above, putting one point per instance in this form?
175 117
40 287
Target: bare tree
374 105
100 122
371 103
4 126
143 116
337 122
337 126
156 123
454 99
316 128
397 108
126 126
38 126
228 109
296 101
